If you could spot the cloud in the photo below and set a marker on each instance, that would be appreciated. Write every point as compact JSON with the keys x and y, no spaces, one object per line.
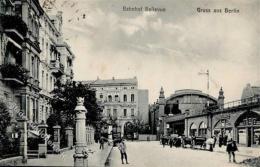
{"x":165,"y":49}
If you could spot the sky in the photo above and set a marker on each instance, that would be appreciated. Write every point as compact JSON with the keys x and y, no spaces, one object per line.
{"x":165,"y":49}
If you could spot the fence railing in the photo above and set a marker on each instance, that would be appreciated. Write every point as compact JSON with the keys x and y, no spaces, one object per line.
{"x":238,"y":103}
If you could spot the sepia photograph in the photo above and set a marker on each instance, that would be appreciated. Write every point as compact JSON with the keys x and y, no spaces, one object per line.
{"x":137,"y":83}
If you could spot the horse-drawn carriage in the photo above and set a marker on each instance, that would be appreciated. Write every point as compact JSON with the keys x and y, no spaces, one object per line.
{"x":194,"y":142}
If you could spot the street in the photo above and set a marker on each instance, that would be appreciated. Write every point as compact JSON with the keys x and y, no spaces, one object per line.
{"x":151,"y":154}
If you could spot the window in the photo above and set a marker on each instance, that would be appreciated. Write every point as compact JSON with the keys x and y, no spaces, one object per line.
{"x":203,"y":129}
{"x":101,"y":96}
{"x":110,"y":98}
{"x":108,"y":113}
{"x":116,"y":98}
{"x":125,"y":98}
{"x":32,"y":67}
{"x":132,"y":112}
{"x":125,"y":87}
{"x":193,"y":130}
{"x":125,"y":112}
{"x":132,"y":97}
{"x":51,"y":83}
{"x":132,"y":87}
{"x":115,"y":113}
{"x":47,"y":80}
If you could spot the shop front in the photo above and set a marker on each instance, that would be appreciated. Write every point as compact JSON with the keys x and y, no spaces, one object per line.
{"x":248,"y":129}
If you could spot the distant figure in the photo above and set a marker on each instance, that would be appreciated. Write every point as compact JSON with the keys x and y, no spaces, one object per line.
{"x":163,"y":141}
{"x":101,"y":141}
{"x":225,"y":140}
{"x":122,"y":148}
{"x":220,"y":140}
{"x":231,"y":148}
{"x":171,"y":142}
{"x":215,"y":140}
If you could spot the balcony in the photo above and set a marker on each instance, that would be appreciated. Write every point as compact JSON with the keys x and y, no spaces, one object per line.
{"x":57,"y":68}
{"x":14,"y":74}
{"x":14,"y":26}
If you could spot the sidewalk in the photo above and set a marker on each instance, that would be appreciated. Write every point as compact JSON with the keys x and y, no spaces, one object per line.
{"x":97,"y":159}
{"x":249,"y":152}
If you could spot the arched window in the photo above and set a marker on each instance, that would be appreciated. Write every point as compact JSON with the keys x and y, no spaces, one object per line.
{"x":125,"y":98}
{"x":203,"y":129}
{"x":116,"y":98}
{"x":193,"y":129}
{"x":132,"y":97}
{"x":110,"y":98}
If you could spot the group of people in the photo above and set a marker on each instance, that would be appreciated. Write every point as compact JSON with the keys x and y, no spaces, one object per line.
{"x":231,"y":146}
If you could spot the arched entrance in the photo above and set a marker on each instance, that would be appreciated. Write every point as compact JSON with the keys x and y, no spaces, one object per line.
{"x":248,"y":128}
{"x":223,"y":127}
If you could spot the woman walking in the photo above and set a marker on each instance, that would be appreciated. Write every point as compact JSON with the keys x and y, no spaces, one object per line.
{"x":231,"y":148}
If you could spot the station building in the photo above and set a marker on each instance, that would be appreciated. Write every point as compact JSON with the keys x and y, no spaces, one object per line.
{"x":193,"y":113}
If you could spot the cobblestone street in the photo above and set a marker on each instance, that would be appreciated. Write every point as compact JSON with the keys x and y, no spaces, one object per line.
{"x":151,"y":154}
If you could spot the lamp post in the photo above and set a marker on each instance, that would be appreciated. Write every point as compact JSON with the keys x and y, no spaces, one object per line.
{"x":80,"y":156}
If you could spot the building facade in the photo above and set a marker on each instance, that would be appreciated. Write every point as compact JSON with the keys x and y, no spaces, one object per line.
{"x":121,"y":100}
{"x":30,"y":43}
{"x":193,"y":113}
{"x":56,"y":60}
{"x":20,"y":56}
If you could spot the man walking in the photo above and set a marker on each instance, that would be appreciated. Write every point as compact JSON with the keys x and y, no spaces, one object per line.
{"x":122,"y":148}
{"x":101,"y":141}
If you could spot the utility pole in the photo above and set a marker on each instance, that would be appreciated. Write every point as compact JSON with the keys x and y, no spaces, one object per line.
{"x":206,"y":73}
{"x":210,"y":115}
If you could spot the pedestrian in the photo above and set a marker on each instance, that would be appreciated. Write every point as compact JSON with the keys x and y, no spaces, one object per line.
{"x":101,"y":142}
{"x":122,"y":148}
{"x":215,"y":140}
{"x":220,"y":140}
{"x":171,"y":142}
{"x":231,"y":148}
{"x":225,"y":140}
{"x":163,"y":141}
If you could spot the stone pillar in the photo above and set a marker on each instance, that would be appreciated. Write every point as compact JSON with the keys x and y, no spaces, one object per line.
{"x":69,"y":134}
{"x":43,"y":136}
{"x":56,"y":140}
{"x":87,"y":135}
{"x":80,"y":156}
{"x":22,"y":122}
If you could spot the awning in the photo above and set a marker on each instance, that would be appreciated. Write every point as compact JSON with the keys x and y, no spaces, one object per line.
{"x":193,"y":126}
{"x":14,"y":43}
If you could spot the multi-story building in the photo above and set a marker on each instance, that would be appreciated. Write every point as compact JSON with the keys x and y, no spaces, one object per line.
{"x":121,"y":100}
{"x":56,"y":60}
{"x":20,"y":55}
{"x":33,"y":56}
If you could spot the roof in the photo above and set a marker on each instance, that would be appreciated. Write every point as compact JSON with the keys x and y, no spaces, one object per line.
{"x":99,"y":82}
{"x":184,"y":92}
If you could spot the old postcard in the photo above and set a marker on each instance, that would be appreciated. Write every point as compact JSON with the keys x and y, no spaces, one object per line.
{"x":140,"y":83}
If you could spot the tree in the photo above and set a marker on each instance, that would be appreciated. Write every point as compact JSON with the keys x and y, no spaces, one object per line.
{"x":5,"y":119}
{"x":65,"y":100}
